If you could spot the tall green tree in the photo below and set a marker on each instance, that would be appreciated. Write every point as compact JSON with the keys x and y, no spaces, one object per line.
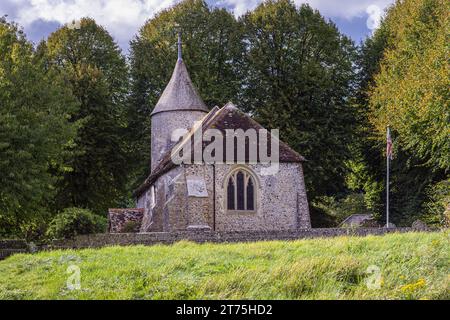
{"x":299,"y":78}
{"x":411,"y":90}
{"x":96,"y":73}
{"x":404,"y":83}
{"x":367,"y":163}
{"x":35,"y":109}
{"x":212,"y":51}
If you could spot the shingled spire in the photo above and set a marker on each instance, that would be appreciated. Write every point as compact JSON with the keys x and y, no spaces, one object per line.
{"x":179,"y":107}
{"x":180,"y":94}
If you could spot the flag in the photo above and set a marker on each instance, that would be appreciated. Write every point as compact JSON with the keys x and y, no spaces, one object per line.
{"x":389,"y":144}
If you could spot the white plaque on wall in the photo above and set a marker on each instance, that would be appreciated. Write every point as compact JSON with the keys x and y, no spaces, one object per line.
{"x":196,"y":187}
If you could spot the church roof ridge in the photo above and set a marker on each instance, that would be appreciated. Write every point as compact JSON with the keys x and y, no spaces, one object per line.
{"x":227,"y":116}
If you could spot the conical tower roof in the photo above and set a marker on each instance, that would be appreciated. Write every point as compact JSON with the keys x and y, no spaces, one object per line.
{"x":180,"y":94}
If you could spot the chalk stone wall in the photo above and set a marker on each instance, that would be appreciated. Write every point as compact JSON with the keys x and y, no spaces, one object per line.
{"x":9,"y":247}
{"x":280,"y":198}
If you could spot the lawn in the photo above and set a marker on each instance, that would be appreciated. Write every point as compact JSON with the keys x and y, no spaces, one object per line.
{"x":395,"y":266}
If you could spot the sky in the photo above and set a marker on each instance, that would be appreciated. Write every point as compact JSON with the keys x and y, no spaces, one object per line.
{"x":123,"y":18}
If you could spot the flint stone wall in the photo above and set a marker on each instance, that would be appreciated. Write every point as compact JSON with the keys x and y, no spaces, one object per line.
{"x":163,"y":125}
{"x":125,"y":239}
{"x":281,"y":201}
{"x":118,"y":219}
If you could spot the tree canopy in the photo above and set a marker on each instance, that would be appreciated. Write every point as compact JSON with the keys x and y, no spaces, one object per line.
{"x":404,"y":81}
{"x":35,"y":107}
{"x":96,"y":73}
{"x":75,"y":112}
{"x":212,"y":52}
{"x":299,"y":78}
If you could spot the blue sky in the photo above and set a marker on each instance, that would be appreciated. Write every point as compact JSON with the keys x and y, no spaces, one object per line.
{"x":122,"y":18}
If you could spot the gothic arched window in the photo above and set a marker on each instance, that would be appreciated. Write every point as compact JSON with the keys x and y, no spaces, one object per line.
{"x":240,"y":191}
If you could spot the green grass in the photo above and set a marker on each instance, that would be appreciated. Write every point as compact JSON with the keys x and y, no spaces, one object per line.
{"x":412,"y":266}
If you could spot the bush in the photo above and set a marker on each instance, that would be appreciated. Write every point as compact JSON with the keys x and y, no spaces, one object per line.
{"x":32,"y":229}
{"x":437,"y":208}
{"x":101,"y":224}
{"x":75,"y":221}
{"x":131,"y":227}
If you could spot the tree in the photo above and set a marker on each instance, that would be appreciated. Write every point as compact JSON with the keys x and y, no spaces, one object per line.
{"x":410,"y":93}
{"x":96,"y":72}
{"x":411,"y":90}
{"x":299,"y":79}
{"x":367,"y":163}
{"x":34,"y":131}
{"x":212,"y":51}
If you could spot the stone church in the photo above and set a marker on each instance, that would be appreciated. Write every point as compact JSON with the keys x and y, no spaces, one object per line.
{"x":219,"y":196}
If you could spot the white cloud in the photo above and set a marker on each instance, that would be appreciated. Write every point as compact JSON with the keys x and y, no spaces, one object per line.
{"x":346,"y":9}
{"x":124,"y":17}
{"x":121,"y":17}
{"x":375,"y":15}
{"x":239,"y":7}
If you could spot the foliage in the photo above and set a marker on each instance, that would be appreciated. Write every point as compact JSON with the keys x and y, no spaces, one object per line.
{"x":366,"y":165}
{"x":299,"y":78}
{"x":131,"y":227}
{"x":75,"y":221}
{"x":394,"y":266}
{"x":211,"y":51}
{"x":96,"y":73}
{"x":34,"y":130}
{"x":411,"y":90}
{"x":284,"y":64}
{"x":437,"y":207}
{"x":342,"y":208}
{"x":403,"y":82}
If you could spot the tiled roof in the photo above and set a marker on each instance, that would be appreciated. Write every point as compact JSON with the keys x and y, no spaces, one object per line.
{"x":228,"y":117}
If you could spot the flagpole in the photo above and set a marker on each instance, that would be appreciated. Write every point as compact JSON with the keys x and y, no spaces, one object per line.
{"x":387,"y":182}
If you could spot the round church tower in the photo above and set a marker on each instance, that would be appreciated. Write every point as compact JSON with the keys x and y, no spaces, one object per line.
{"x":179,"y":107}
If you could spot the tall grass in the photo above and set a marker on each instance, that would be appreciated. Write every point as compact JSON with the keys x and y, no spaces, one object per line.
{"x":395,"y":266}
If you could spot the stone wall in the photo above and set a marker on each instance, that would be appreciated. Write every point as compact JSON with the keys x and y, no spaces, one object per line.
{"x":281,"y":200}
{"x":124,"y":239}
{"x":125,"y":220}
{"x":10,"y":247}
{"x":163,"y":126}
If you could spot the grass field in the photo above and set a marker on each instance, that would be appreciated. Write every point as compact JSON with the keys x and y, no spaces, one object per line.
{"x":396,"y":266}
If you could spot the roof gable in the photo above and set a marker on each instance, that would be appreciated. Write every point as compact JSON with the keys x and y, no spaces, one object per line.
{"x":228,"y":117}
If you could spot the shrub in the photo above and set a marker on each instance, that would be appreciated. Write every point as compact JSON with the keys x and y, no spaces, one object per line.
{"x":75,"y":221}
{"x":101,"y":223}
{"x":437,"y":208}
{"x":31,"y":229}
{"x":370,"y":223}
{"x":131,"y":227}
